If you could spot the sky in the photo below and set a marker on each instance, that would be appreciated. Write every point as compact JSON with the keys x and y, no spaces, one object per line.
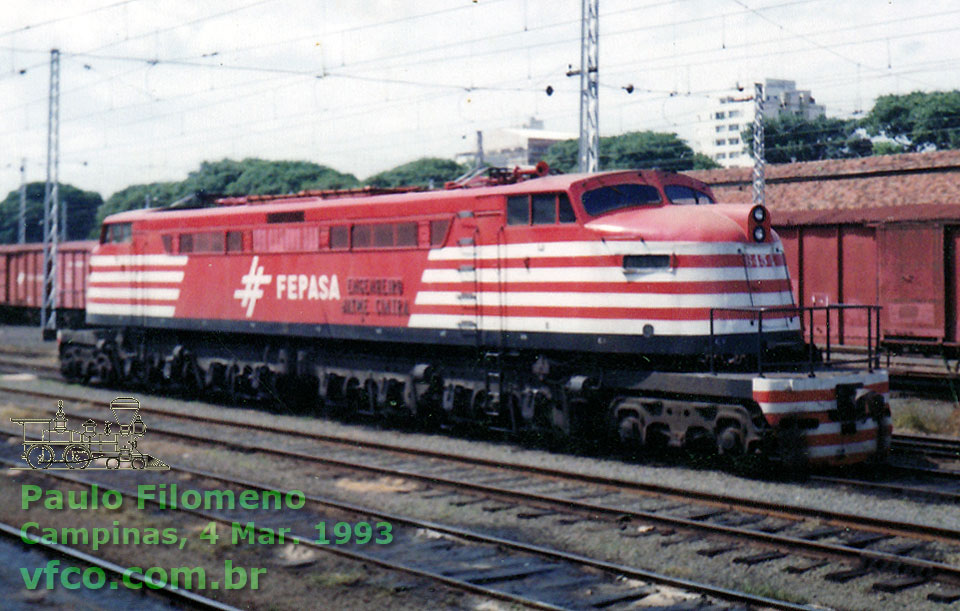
{"x":150,"y":89}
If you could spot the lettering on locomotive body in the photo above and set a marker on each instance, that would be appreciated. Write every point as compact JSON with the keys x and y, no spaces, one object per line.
{"x":387,"y":294}
{"x":375,"y":286}
{"x":297,"y":287}
{"x":760,"y":260}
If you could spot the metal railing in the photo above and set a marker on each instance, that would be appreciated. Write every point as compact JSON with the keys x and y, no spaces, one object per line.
{"x":806,"y":318}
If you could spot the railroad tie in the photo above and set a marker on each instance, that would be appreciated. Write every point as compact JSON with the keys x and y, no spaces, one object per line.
{"x":800,"y":570}
{"x":944,"y":596}
{"x":899,"y":584}
{"x":847,"y":575}
{"x":759,"y":558}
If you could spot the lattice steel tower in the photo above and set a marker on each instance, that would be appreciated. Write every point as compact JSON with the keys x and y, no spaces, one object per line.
{"x":589,"y":152}
{"x":758,"y":153}
{"x":51,"y":204}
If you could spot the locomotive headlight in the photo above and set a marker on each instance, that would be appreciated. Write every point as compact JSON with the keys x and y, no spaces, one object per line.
{"x":759,"y":234}
{"x":759,"y":214}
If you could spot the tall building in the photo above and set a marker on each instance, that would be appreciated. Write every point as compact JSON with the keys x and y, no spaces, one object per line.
{"x":513,"y":146}
{"x":719,"y":132}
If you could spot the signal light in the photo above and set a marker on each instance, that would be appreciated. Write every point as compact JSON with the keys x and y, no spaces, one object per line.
{"x":759,"y":214}
{"x":759,"y":234}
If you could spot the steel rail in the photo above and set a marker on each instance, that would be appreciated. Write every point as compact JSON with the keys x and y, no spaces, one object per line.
{"x":538,"y":550}
{"x":153,"y":585}
{"x":857,"y":521}
{"x":945,"y":572}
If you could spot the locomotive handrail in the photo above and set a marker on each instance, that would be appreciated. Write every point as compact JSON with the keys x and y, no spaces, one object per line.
{"x":872,"y":359}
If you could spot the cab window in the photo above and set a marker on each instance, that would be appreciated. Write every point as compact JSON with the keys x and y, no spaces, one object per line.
{"x":679,"y":194}
{"x":616,"y":197}
{"x":116,"y":233}
{"x":540,"y":209}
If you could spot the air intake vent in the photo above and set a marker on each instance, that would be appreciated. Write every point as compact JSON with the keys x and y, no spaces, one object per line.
{"x":285,"y":217}
{"x":633,"y":262}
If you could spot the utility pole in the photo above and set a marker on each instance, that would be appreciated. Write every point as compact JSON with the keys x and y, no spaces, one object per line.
{"x":22,"y":228}
{"x":758,"y":154}
{"x":589,"y":151}
{"x":51,"y":204}
{"x":63,"y":221}
{"x":479,"y":161}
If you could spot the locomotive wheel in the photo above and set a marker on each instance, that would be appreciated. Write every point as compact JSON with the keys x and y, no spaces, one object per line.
{"x":138,"y":462}
{"x":429,"y":413}
{"x":70,"y":367}
{"x":791,"y":447}
{"x":630,"y":430}
{"x":354,"y":399}
{"x":77,"y":457}
{"x":40,"y":457}
{"x":190,"y":377}
{"x":103,"y":369}
{"x":730,"y":441}
{"x":231,"y":385}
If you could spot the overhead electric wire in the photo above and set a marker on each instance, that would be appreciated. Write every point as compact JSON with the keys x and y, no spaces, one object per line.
{"x":34,"y":26}
{"x":343,"y":73}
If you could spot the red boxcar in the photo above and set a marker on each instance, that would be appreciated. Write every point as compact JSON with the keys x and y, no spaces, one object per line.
{"x":21,"y":278}
{"x":902,"y":258}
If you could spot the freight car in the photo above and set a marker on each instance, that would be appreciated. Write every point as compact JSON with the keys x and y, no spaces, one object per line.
{"x":903,"y":258}
{"x":626,"y":304}
{"x":21,"y":281}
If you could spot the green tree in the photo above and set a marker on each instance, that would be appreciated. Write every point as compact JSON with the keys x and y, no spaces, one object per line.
{"x":887,"y":147}
{"x":703,"y":162}
{"x":422,"y":173}
{"x":918,"y":120}
{"x":633,"y":150}
{"x":260,"y":176}
{"x":229,"y":177}
{"x":81,"y":210}
{"x":152,"y":195}
{"x":790,"y":138}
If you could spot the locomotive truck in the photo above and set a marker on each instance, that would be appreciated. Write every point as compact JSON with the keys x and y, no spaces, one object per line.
{"x":622,"y":304}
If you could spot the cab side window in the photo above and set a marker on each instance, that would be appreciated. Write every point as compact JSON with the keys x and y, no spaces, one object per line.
{"x":518,"y":210}
{"x":540,"y":209}
{"x":116,"y":233}
{"x":544,"y":209}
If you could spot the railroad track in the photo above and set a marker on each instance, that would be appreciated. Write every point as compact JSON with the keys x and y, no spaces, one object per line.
{"x":926,"y":445}
{"x":138,"y":579}
{"x":766,"y":528}
{"x":495,"y":567}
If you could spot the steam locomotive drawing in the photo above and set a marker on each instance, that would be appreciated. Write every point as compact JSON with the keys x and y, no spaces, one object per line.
{"x":49,"y":444}
{"x":626,"y":305}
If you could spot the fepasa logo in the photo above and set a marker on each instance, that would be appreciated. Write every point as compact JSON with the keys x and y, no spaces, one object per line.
{"x":297,"y":287}
{"x":251,"y":291}
{"x":291,"y":287}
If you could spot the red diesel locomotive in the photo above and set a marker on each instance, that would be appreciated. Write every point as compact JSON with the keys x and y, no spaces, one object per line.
{"x":623,"y":303}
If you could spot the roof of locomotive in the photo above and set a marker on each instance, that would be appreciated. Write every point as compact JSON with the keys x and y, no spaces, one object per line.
{"x":408,"y":202}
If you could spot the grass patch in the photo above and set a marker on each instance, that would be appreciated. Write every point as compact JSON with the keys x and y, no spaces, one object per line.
{"x":925,"y":416}
{"x":337,"y":579}
{"x":769,"y":591}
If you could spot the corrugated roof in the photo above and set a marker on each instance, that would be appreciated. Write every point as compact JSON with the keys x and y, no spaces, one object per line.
{"x":885,"y":214}
{"x":871,"y":185}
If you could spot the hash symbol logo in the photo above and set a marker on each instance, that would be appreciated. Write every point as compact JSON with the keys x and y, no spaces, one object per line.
{"x":251,"y":291}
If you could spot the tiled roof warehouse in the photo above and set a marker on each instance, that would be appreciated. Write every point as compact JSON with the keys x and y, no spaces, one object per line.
{"x":918,"y":185}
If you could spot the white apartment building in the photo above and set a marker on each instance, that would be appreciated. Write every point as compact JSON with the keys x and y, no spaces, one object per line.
{"x":513,"y":146}
{"x":719,"y":131}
